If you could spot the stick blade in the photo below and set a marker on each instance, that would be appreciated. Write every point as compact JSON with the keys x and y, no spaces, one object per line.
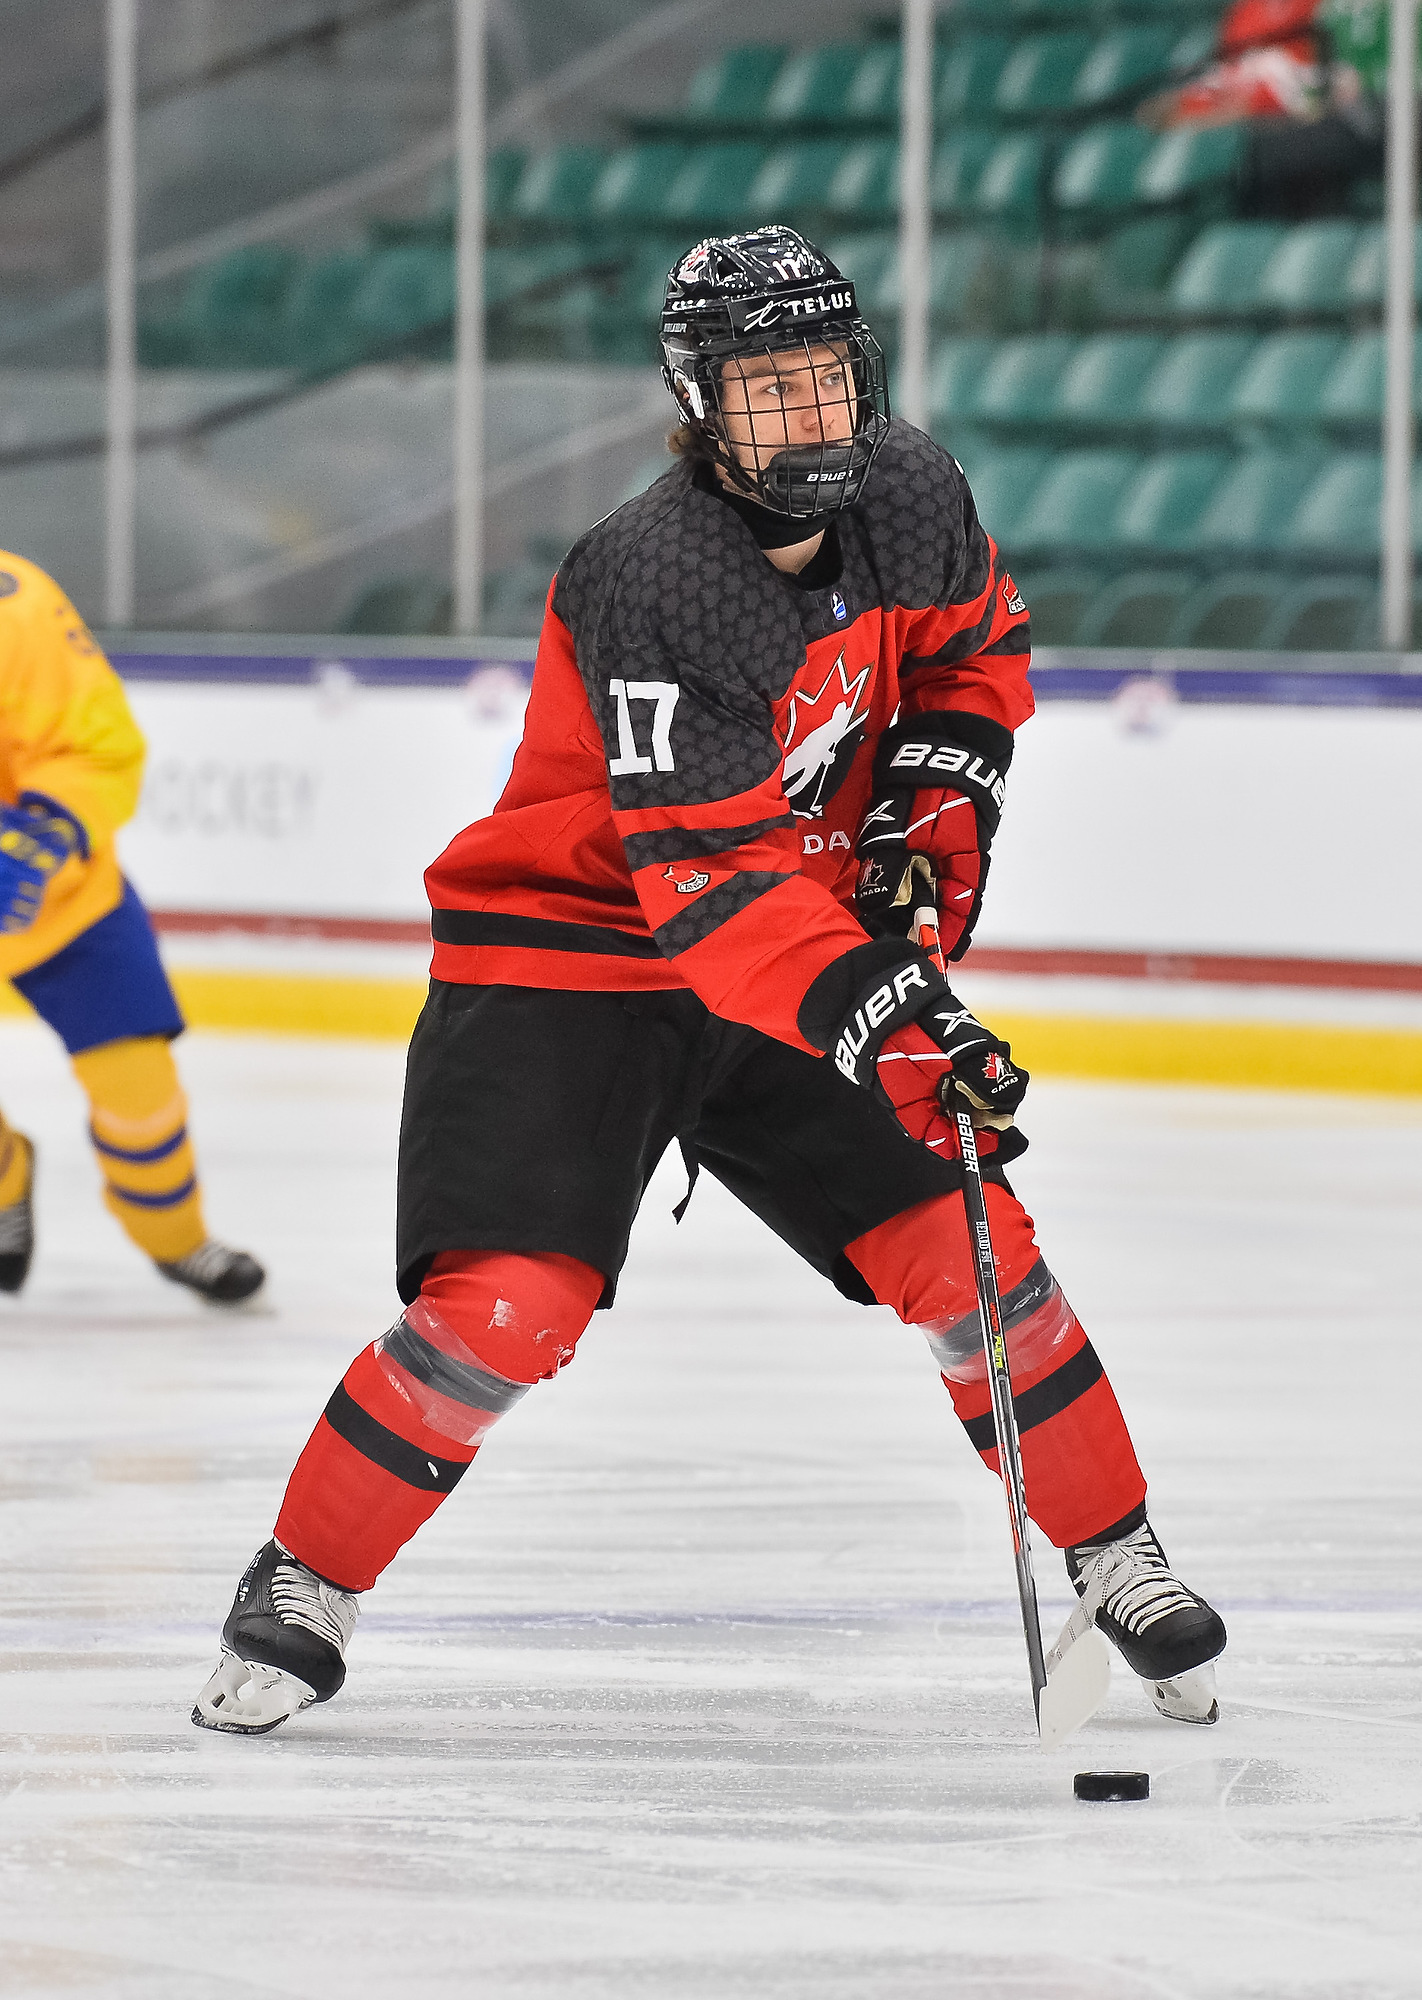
{"x":1076,"y":1687}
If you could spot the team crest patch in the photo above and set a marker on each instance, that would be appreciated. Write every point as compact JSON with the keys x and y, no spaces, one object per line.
{"x":685,"y":878}
{"x":1012,"y":596}
{"x":826,"y":728}
{"x":695,"y":267}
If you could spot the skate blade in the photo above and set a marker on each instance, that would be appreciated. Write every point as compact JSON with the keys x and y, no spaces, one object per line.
{"x":1077,"y":1684}
{"x":245,"y":1698}
{"x":1189,"y":1697}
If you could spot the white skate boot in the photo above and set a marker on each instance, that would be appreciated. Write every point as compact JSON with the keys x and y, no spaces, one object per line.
{"x":283,"y":1646}
{"x":1165,"y":1632}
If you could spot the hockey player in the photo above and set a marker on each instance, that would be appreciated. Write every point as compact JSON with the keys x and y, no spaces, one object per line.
{"x":76,"y":941}
{"x":798,"y":643}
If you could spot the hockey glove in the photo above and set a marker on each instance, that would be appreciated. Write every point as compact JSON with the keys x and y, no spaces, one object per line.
{"x":938,"y":789}
{"x":908,"y":1034}
{"x":37,"y":837}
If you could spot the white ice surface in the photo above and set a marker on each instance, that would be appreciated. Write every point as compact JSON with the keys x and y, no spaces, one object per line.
{"x":707,"y":1685}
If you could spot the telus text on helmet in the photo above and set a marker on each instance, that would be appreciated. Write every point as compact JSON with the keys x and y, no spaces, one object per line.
{"x":814,"y":305}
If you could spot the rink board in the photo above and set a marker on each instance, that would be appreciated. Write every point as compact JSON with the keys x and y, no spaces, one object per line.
{"x":1161,"y":808}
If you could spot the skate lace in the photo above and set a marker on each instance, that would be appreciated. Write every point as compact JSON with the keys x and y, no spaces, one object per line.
{"x":210,"y":1261}
{"x":300,"y":1598}
{"x":1138,"y":1587}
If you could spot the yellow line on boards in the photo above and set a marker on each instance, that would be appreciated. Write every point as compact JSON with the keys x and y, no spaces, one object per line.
{"x":1261,"y":1055}
{"x":283,"y":1003}
{"x":1245,"y":1055}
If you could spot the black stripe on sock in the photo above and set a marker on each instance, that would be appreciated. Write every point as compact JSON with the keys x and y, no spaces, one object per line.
{"x":1044,"y":1400}
{"x":390,"y":1452}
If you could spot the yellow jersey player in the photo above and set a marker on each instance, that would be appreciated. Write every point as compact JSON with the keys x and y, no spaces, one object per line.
{"x":77,"y":943}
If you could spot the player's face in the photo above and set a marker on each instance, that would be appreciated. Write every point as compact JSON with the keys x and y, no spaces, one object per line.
{"x":802,"y":396}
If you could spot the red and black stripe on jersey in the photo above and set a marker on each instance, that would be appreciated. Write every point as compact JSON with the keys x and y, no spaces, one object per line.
{"x":699,"y":742}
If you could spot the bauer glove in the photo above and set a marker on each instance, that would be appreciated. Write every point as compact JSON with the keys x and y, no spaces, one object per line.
{"x":37,"y":837}
{"x":939,"y":781}
{"x":908,"y":1035}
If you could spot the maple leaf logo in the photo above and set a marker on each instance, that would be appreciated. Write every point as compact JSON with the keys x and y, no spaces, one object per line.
{"x":832,"y":721}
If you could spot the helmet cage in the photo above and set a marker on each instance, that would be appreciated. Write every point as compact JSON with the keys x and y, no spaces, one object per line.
{"x":710,"y":346}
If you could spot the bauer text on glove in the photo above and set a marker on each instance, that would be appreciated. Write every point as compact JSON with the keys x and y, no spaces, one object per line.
{"x":939,"y":782}
{"x":885,"y":989}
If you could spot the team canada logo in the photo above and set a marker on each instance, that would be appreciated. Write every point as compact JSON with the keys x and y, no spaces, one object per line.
{"x":684,"y":878}
{"x":826,"y":728}
{"x":695,"y":267}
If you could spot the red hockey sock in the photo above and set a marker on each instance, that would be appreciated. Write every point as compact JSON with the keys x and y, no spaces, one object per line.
{"x":1078,"y":1463}
{"x":404,"y":1424}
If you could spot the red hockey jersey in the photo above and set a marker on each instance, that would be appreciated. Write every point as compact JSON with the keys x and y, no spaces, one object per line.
{"x":698,"y":747}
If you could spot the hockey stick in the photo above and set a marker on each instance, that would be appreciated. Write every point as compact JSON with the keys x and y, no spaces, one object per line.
{"x":1080,"y":1662}
{"x":1004,"y":1419}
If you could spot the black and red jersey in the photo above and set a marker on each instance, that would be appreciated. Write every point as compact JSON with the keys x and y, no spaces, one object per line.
{"x":698,"y":746}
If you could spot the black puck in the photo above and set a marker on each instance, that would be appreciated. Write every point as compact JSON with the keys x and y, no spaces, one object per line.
{"x":1106,"y":1785}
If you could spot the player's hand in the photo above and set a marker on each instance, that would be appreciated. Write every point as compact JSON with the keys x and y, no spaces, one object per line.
{"x":939,"y":830}
{"x":916,"y":1074}
{"x":910,"y":1036}
{"x":36,"y":839}
{"x":938,"y":791}
{"x":979,"y":1064}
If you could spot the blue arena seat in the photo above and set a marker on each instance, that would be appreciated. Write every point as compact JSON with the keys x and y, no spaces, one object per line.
{"x":1040,"y":75}
{"x":813,"y":85}
{"x":1138,"y":609}
{"x":713,"y":187}
{"x":1162,"y":508}
{"x":730,"y":90}
{"x":865,"y":184}
{"x":1010,"y":188}
{"x":555,"y":187}
{"x":632,"y":186}
{"x":958,"y":369}
{"x":1284,"y":381}
{"x":968,"y":78}
{"x":1019,"y":387}
{"x":1097,"y":174}
{"x":1193,"y":162}
{"x":1005,"y":481}
{"x":1076,"y":503}
{"x":795,"y":178}
{"x":1338,"y":516}
{"x":1229,"y":612}
{"x":1124,"y":63}
{"x":958,"y":163}
{"x":1059,"y":600}
{"x":1220,"y":275}
{"x":1250,"y":509}
{"x":1192,"y":383}
{"x":1101,"y":383}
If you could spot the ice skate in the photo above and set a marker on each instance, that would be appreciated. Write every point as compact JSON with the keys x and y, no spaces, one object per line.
{"x":222,"y":1276}
{"x":1165,"y":1632}
{"x":17,"y":1229}
{"x":283,"y":1646}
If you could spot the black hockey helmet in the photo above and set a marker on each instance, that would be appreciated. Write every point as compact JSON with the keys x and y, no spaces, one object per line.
{"x":739,"y":309}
